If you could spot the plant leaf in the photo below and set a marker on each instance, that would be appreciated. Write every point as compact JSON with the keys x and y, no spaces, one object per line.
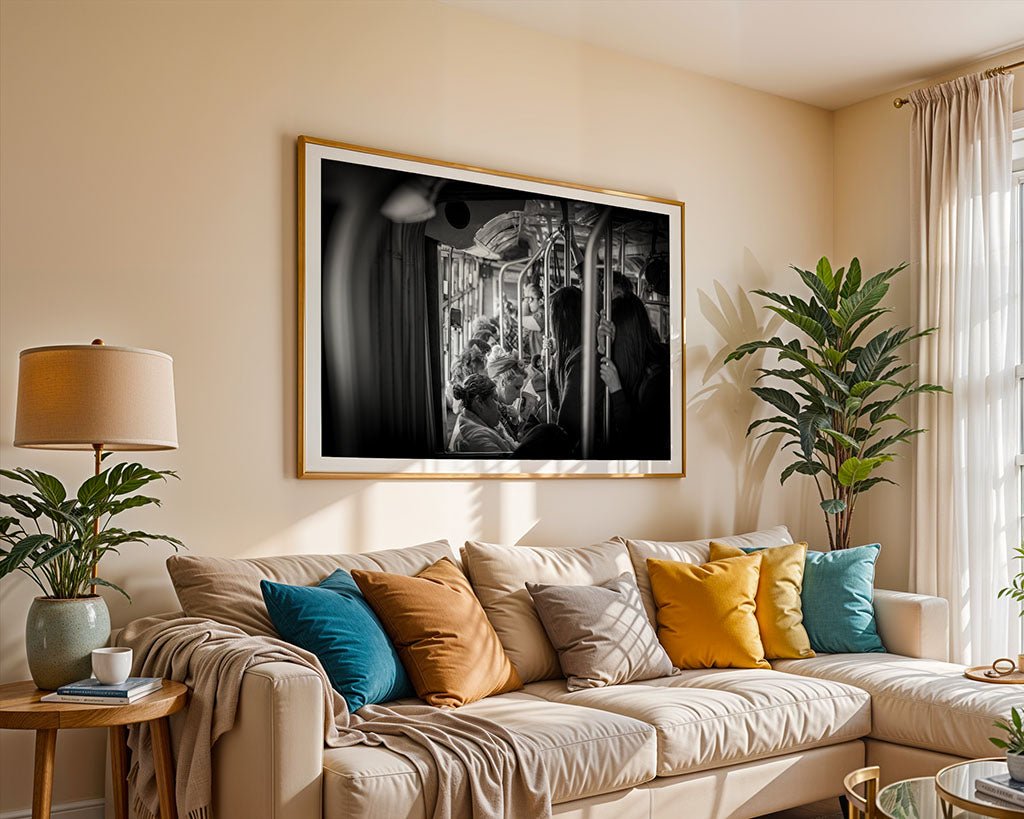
{"x":852,"y":278}
{"x":845,"y":440}
{"x":93,"y":489}
{"x":833,"y":506}
{"x":854,"y":470}
{"x":810,"y":423}
{"x":780,"y":399}
{"x":824,"y":273}
{"x":99,"y":581}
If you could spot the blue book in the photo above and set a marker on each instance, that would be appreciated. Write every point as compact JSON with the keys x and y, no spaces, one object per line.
{"x":132,"y":687}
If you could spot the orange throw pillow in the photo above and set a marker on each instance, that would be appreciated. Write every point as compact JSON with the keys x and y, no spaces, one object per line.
{"x":441,"y":634}
{"x":706,"y":613}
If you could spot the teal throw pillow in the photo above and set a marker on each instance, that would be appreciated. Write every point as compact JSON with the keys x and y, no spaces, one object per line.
{"x":837,"y":600}
{"x":333,"y":621}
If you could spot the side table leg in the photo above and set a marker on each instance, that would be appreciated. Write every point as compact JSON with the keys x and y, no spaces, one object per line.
{"x":118,"y":735}
{"x":42,"y":788}
{"x":164,"y":763}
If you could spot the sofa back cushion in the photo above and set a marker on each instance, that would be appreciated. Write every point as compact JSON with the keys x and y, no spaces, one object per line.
{"x":691,"y":551}
{"x":499,"y":575}
{"x":228,"y":589}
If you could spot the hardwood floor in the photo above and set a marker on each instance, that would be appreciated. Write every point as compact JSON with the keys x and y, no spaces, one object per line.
{"x":828,"y":809}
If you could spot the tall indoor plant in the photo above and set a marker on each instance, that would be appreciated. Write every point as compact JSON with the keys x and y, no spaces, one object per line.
{"x":841,"y":389}
{"x":57,"y":541}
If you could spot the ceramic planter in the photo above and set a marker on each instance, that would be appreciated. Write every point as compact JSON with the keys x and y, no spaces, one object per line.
{"x":60,"y":636}
{"x":1015,"y":762}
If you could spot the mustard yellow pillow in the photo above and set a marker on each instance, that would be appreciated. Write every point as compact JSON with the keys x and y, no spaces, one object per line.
{"x":441,"y":634}
{"x":706,"y":613}
{"x":780,"y":615}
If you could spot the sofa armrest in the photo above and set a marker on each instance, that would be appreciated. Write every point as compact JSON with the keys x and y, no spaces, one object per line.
{"x":270,"y":764}
{"x":914,"y":625}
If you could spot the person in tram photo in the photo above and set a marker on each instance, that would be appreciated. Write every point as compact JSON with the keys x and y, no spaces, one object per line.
{"x":566,"y":391}
{"x":485,"y":329}
{"x":478,"y":425}
{"x":544,"y":442}
{"x":637,"y":376}
{"x":533,"y":319}
{"x":480,"y":344}
{"x":621,"y":286}
{"x":518,"y":404}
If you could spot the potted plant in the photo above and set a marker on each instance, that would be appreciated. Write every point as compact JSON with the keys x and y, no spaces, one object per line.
{"x":1013,"y":744}
{"x":842,"y":389}
{"x":58,"y":541}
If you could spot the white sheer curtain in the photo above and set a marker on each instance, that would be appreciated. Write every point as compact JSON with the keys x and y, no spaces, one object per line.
{"x":967,"y":501}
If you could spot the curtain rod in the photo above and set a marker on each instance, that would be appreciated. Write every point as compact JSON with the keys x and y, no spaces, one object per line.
{"x":899,"y":102}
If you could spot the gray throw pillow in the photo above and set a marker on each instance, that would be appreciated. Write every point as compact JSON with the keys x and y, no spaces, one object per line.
{"x":601,"y":633}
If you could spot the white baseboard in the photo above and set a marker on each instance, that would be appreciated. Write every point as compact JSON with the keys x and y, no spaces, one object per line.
{"x":89,"y":809}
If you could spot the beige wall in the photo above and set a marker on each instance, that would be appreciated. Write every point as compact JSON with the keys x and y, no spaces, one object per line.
{"x":872,"y":221}
{"x":146,"y":157}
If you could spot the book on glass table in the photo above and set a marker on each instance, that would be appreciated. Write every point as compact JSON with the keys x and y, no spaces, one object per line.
{"x":1002,"y":787}
{"x":94,"y":692}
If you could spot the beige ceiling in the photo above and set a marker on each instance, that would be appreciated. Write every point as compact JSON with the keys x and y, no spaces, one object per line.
{"x":829,"y":53}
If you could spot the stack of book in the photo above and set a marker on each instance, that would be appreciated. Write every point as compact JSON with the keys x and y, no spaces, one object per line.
{"x":93,"y":692}
{"x":1002,"y":787}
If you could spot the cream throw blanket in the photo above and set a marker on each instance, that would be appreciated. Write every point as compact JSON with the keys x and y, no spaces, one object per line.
{"x":468,"y":766}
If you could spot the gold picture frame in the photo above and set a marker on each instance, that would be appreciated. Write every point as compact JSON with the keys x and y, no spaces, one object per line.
{"x":311,"y":153}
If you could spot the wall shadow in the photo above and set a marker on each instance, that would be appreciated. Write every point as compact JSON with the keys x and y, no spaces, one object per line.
{"x":725,"y":401}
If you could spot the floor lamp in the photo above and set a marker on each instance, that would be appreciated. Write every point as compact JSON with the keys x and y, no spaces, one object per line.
{"x":95,"y":397}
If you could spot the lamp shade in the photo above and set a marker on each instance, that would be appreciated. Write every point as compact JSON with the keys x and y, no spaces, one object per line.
{"x":78,"y":396}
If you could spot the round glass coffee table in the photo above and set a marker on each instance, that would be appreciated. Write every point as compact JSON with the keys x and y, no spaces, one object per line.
{"x":950,"y":794}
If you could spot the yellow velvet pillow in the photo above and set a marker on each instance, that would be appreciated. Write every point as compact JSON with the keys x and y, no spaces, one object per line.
{"x":780,"y":615}
{"x":706,"y":613}
{"x":441,"y":634}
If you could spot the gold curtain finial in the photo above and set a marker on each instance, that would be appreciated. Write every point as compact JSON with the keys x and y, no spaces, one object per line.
{"x":899,"y":102}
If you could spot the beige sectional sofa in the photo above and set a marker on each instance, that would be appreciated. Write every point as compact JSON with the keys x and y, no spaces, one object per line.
{"x":712,"y":743}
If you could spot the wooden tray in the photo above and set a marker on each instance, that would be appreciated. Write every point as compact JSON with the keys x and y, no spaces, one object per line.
{"x":978,"y":673}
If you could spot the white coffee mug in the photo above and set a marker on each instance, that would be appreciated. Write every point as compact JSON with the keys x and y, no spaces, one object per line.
{"x":112,"y":666}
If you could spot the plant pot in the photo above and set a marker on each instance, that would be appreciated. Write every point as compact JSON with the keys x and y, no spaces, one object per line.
{"x":1015,"y":762}
{"x":60,"y":636}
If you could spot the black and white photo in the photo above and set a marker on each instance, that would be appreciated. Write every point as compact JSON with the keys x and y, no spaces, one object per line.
{"x":459,"y":322}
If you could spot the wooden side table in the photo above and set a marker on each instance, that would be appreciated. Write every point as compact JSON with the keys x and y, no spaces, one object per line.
{"x":21,"y":709}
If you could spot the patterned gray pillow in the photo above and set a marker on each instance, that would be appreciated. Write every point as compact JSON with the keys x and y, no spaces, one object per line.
{"x":601,"y":633}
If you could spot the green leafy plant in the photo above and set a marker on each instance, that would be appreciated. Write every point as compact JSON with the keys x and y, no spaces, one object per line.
{"x":1014,"y":742}
{"x":1015,"y":591}
{"x":838,"y":410}
{"x":53,"y":540}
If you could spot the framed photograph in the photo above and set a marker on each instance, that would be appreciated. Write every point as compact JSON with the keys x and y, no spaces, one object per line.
{"x":456,"y":322}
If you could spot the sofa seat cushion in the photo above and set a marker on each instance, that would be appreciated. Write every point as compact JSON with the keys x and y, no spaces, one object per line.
{"x":711,"y":718}
{"x":921,"y":703}
{"x":586,"y":753}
